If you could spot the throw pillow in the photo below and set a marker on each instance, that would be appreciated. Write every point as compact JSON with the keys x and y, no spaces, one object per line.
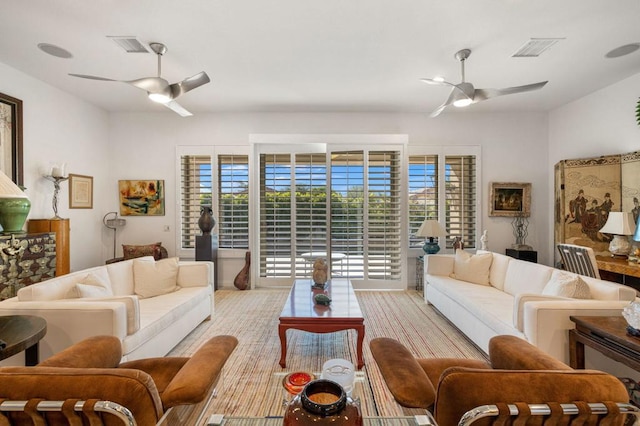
{"x":155,"y":278}
{"x":132,"y":251}
{"x":472,"y":268}
{"x":90,"y":286}
{"x":564,"y":284}
{"x":86,"y":290}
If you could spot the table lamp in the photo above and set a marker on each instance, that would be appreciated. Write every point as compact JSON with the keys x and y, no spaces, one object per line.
{"x":431,"y":228}
{"x":620,"y":225}
{"x":14,"y":205}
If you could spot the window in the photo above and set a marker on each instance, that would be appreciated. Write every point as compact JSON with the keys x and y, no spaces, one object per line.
{"x":444,"y":186}
{"x":196,"y":184}
{"x":360,"y":226}
{"x":233,"y":201}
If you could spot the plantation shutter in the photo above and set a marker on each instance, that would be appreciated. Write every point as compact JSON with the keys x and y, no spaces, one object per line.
{"x":348,"y":210}
{"x":423,"y":193}
{"x":310,"y":211}
{"x":233,"y":201}
{"x":383,"y":224}
{"x":460,"y":176}
{"x":196,"y":184}
{"x":276,"y":258}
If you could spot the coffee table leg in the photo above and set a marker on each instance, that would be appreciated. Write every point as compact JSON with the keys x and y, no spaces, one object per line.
{"x":31,"y":355}
{"x":282,"y":332}
{"x":360,"y":331}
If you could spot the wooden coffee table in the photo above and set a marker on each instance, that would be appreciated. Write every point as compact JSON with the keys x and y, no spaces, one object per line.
{"x":300,"y":312}
{"x":22,"y":333}
{"x":607,"y":335}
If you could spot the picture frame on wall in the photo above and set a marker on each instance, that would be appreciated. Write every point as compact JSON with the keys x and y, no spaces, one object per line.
{"x":11,"y":150}
{"x":80,"y":191}
{"x":510,"y":199}
{"x":141,"y":197}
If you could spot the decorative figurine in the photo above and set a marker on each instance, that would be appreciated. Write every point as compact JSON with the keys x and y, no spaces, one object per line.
{"x":484,"y":240}
{"x":320,"y":269}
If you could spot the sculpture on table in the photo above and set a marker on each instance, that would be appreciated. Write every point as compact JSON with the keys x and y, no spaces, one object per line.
{"x":206,"y":222}
{"x":320,"y":270}
{"x":484,"y":240}
{"x":457,"y":244}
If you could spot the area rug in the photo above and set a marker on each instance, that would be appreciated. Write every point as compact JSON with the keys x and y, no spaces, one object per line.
{"x":251,"y":377}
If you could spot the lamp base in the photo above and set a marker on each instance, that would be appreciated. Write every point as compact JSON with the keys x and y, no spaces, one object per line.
{"x":13,"y":214}
{"x":431,"y":247}
{"x":620,"y":246}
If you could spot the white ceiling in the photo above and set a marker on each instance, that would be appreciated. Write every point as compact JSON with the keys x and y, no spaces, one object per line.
{"x":323,"y":55}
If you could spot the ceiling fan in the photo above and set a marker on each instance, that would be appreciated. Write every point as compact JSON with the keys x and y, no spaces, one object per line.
{"x":158,"y":89}
{"x":464,"y":94}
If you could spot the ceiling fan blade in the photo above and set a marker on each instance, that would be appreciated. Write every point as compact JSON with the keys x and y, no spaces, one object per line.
{"x":484,"y":94}
{"x":150,"y":84}
{"x":92,"y":77}
{"x":449,"y":101}
{"x":188,"y":84}
{"x":177,"y":108}
{"x":436,"y":82}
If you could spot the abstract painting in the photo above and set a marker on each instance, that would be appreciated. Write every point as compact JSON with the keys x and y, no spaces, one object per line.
{"x":141,"y":197}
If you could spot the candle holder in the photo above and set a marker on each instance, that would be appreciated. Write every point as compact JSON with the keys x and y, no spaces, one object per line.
{"x":56,"y":189}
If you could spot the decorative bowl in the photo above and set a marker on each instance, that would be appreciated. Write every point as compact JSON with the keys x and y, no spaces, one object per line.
{"x":296,"y":381}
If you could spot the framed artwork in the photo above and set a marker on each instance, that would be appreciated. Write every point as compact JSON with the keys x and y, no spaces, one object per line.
{"x":80,"y":192}
{"x":11,"y":138}
{"x":141,"y":197}
{"x":510,"y":199}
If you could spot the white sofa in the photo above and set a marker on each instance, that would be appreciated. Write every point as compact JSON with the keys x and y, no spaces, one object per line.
{"x":116,"y":305}
{"x":512,"y":299}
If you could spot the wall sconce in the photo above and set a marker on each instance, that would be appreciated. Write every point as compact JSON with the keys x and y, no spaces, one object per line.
{"x":114,"y":223}
{"x":55,"y":173}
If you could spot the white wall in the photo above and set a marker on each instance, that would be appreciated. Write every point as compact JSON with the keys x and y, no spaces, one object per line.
{"x":61,"y":128}
{"x":514,"y":149}
{"x":601,"y":123}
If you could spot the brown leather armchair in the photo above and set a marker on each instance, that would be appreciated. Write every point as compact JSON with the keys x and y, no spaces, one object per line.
{"x":518,"y":372}
{"x":91,"y":370}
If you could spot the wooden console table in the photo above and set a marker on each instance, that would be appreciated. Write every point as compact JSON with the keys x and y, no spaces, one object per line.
{"x":607,"y":335}
{"x":619,"y":270}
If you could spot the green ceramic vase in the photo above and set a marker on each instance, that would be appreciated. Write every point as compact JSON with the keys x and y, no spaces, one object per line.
{"x":13,"y":213}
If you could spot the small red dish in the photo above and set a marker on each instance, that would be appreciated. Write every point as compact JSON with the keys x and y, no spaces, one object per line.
{"x":296,"y":381}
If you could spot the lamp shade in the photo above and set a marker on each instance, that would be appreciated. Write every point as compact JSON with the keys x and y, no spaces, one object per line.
{"x":619,"y":224}
{"x":431,"y":228}
{"x":14,"y":205}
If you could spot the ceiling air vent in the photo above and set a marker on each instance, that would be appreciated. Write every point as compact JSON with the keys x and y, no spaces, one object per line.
{"x":129,"y":44}
{"x":534,"y":47}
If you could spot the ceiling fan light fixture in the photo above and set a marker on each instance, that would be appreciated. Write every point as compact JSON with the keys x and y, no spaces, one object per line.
{"x":461,"y":103}
{"x":161,"y":98}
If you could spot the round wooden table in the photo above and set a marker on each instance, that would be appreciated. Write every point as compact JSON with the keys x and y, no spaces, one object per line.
{"x":21,"y":333}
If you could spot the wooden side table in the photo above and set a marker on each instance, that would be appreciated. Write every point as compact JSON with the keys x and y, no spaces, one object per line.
{"x":22,"y":333}
{"x":607,"y":335}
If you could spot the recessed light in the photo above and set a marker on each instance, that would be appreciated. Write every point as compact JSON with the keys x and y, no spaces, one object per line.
{"x":54,"y":50}
{"x":623,"y":50}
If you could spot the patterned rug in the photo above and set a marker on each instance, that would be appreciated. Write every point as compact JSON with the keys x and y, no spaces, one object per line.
{"x":251,"y":377}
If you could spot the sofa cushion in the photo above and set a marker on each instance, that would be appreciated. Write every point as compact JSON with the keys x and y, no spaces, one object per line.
{"x":526,"y":277}
{"x":121,"y":276}
{"x":155,"y":278}
{"x":135,"y":251}
{"x":498,"y":270}
{"x":90,"y":286}
{"x":472,"y":268}
{"x":564,"y":284}
{"x":58,"y":288}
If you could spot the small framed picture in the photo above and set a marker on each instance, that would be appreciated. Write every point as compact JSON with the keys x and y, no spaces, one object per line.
{"x":510,"y":199}
{"x":80,"y":192}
